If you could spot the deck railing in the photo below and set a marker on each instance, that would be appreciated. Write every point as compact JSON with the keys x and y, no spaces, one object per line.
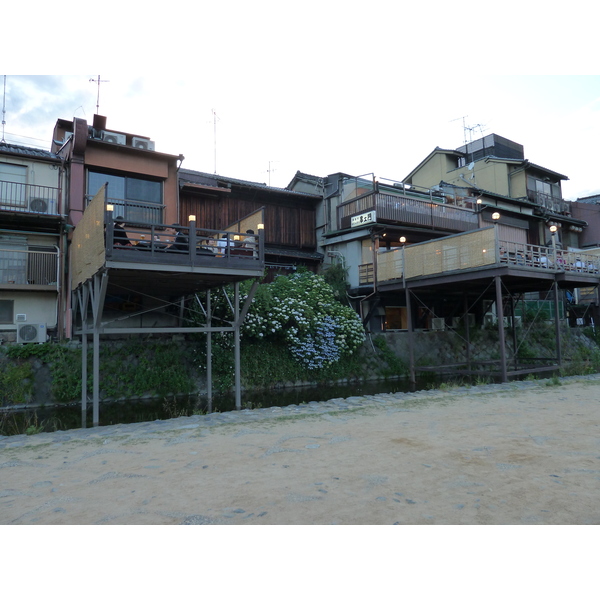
{"x":28,"y":267}
{"x":28,"y":198}
{"x":478,"y":249}
{"x":411,"y":211}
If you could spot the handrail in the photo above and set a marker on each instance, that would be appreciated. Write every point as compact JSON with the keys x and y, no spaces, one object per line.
{"x":29,"y":198}
{"x":476,"y":249}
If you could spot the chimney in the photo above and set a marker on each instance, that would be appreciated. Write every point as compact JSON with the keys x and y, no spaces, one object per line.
{"x":99,"y":123}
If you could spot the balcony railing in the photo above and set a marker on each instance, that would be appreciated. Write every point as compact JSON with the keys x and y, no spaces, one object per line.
{"x":409,"y":211}
{"x":28,"y":267}
{"x":480,"y":249}
{"x":137,"y":212}
{"x":27,"y":198}
{"x":556,"y":205}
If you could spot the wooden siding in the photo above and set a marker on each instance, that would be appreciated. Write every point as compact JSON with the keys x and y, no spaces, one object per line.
{"x":285,"y":224}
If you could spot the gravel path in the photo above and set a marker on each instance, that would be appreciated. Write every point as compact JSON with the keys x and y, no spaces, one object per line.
{"x":516,"y":453}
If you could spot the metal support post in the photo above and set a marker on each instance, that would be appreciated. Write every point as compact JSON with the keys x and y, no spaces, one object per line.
{"x":500,"y":317}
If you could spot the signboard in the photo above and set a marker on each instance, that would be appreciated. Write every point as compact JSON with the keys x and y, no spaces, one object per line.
{"x":369,"y":217}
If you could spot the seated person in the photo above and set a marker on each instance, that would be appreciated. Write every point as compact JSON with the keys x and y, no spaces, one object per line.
{"x":119,"y":235}
{"x":177,"y":242}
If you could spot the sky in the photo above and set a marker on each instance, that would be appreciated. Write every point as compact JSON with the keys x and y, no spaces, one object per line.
{"x":258,"y":91}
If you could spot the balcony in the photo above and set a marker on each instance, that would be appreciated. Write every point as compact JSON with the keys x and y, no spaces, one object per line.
{"x":27,"y":198}
{"x":551,"y":203}
{"x":28,"y":269}
{"x":150,"y":258}
{"x":479,"y":251}
{"x":408,"y":211}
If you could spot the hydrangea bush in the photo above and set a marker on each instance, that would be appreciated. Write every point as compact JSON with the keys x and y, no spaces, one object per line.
{"x":301,"y":310}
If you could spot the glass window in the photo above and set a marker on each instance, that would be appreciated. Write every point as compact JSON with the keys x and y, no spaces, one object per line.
{"x":134,"y":198}
{"x":7,"y":308}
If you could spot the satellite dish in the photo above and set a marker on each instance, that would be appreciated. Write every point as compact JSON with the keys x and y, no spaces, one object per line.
{"x":470,"y":166}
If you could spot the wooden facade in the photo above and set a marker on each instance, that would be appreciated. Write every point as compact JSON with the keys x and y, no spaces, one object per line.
{"x":217,"y":202}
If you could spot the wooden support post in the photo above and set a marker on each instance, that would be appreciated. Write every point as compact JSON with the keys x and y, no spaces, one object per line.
{"x":500,"y":317}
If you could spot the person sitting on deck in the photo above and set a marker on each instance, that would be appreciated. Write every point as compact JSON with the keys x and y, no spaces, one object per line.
{"x":179,"y":243}
{"x":119,"y":235}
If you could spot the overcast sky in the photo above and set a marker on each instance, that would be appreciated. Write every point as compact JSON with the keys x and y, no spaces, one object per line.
{"x":255,"y":92}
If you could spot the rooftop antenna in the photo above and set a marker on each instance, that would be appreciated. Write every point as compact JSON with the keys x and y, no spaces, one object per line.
{"x":4,"y":110}
{"x":98,"y":81}
{"x":215,"y":119}
{"x":270,"y":170}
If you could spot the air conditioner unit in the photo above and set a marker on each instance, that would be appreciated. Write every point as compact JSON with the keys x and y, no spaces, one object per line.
{"x":438,"y":323}
{"x":489,"y":320}
{"x":31,"y":333}
{"x":142,"y":143}
{"x":39,"y":205}
{"x":114,"y":138}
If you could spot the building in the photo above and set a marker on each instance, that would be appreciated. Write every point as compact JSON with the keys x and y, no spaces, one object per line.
{"x":465,"y":239}
{"x":289,"y":217}
{"x":136,"y":260}
{"x":32,"y":245}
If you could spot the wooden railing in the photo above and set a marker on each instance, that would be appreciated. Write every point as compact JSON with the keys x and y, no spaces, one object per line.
{"x":478,"y":249}
{"x":411,"y":211}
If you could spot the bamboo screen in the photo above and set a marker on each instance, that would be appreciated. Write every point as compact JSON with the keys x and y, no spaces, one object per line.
{"x":389,"y":264}
{"x":452,"y":253}
{"x":249,"y":222}
{"x":87,"y":247}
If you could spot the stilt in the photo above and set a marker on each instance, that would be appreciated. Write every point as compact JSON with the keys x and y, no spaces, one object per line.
{"x":500,"y":317}
{"x":557,"y":326}
{"x":409,"y":326}
{"x":209,"y":352}
{"x":236,"y":347}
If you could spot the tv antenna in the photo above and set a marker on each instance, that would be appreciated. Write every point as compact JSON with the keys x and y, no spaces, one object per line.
{"x":469,"y":129}
{"x":98,"y":81}
{"x":215,"y":119}
{"x":271,"y":170}
{"x":4,"y":110}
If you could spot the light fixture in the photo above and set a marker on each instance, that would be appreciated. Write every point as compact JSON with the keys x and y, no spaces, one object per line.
{"x":496,"y":216}
{"x":260,"y":226}
{"x":192,"y":218}
{"x":110,"y":207}
{"x":479,"y":201}
{"x":236,"y":238}
{"x":553,"y":228}
{"x":403,"y":240}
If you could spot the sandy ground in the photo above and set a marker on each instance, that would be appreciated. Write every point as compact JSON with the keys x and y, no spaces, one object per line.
{"x":502,"y":455}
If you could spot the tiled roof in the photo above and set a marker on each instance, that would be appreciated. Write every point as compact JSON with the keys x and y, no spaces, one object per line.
{"x":27,"y":151}
{"x":198,"y":176}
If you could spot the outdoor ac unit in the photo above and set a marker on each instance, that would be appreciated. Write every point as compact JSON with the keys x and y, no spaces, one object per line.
{"x":142,"y":143}
{"x":30,"y":333}
{"x":114,"y":138}
{"x":38,"y":205}
{"x":438,"y":323}
{"x":489,"y":320}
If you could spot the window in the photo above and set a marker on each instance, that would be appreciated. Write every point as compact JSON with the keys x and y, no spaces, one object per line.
{"x":12,"y":185}
{"x":7,"y":308}
{"x":136,"y":199}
